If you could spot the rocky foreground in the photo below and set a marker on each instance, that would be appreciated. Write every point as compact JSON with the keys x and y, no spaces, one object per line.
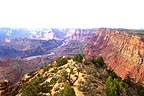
{"x":75,"y":76}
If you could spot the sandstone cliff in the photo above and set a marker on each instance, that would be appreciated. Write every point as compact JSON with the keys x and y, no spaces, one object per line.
{"x":123,"y":53}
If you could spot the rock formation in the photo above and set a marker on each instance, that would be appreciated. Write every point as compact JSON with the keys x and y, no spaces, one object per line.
{"x":5,"y":88}
{"x":81,"y":34}
{"x":123,"y":53}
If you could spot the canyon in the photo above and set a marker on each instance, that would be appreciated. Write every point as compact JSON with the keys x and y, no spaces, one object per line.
{"x":123,"y":52}
{"x":121,"y":49}
{"x":22,"y":55}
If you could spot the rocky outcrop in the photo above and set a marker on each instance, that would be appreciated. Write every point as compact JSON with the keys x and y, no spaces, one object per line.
{"x":10,"y":70}
{"x":5,"y":88}
{"x":81,"y":34}
{"x":13,"y":70}
{"x":123,"y":53}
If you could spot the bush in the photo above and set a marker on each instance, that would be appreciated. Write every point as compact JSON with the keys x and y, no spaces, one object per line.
{"x":99,"y":61}
{"x":29,"y":89}
{"x":67,"y":91}
{"x":78,"y":58}
{"x":115,"y":87}
{"x":113,"y":74}
{"x":34,"y":88}
{"x":45,"y":88}
{"x":61,"y":61}
{"x":31,"y":73}
{"x":46,"y":68}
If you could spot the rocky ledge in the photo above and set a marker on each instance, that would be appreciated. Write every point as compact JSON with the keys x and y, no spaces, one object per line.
{"x":5,"y":88}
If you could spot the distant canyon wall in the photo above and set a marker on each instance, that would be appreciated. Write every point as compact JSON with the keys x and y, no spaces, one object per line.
{"x":81,"y":34}
{"x":122,"y":52}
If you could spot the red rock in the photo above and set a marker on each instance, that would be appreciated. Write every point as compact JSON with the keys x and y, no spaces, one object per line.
{"x":122,"y":52}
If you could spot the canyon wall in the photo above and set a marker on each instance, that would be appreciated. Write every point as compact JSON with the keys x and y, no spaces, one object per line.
{"x":123,"y":53}
{"x":81,"y":34}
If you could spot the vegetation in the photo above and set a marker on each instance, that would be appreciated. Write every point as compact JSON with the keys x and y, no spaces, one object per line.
{"x":67,"y":91}
{"x":78,"y":58}
{"x":99,"y":62}
{"x":34,"y":87}
{"x":61,"y":61}
{"x":67,"y":76}
{"x":46,"y":68}
{"x":138,"y":87}
{"x":31,"y":73}
{"x":115,"y":87}
{"x":95,"y":80}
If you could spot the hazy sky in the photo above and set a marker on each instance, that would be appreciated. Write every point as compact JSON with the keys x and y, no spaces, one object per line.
{"x":72,"y":13}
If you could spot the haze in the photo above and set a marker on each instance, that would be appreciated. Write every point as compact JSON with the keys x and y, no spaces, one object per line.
{"x":72,"y":13}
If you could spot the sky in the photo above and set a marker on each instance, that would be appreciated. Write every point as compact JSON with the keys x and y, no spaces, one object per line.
{"x":72,"y":13}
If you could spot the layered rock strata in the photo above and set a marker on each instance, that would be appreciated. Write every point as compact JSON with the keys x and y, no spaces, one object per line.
{"x":123,"y":53}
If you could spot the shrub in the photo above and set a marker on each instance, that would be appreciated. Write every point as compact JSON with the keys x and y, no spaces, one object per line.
{"x":67,"y":76}
{"x":78,"y":58}
{"x":53,"y":80}
{"x":45,"y":88}
{"x":61,"y":61}
{"x":31,"y":73}
{"x":46,"y":68}
{"x":67,"y":91}
{"x":115,"y":87}
{"x":99,"y":61}
{"x":113,"y":74}
{"x":29,"y":89}
{"x":34,"y":88}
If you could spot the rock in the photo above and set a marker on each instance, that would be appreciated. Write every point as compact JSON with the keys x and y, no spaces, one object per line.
{"x":81,"y":34}
{"x":5,"y":88}
{"x":122,"y":52}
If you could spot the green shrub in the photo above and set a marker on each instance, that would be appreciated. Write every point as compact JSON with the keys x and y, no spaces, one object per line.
{"x":45,"y":88}
{"x":67,"y":76}
{"x":38,"y":79}
{"x":29,"y":89}
{"x":53,"y":80}
{"x":67,"y":91}
{"x":61,"y":61}
{"x":31,"y":73}
{"x":99,"y":61}
{"x":46,"y":68}
{"x":34,"y":88}
{"x":113,"y":74}
{"x":115,"y":87}
{"x":14,"y":92}
{"x":78,"y":58}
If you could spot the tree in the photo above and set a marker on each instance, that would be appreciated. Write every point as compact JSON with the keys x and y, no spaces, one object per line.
{"x":78,"y":58}
{"x":68,"y":76}
{"x":72,"y":75}
{"x":67,"y":91}
{"x":114,"y":87}
{"x":99,"y":61}
{"x":61,"y":61}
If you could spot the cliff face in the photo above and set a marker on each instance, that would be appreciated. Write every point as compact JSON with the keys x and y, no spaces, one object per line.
{"x":75,"y":42}
{"x":13,"y":70}
{"x":122,"y":52}
{"x":80,"y":34}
